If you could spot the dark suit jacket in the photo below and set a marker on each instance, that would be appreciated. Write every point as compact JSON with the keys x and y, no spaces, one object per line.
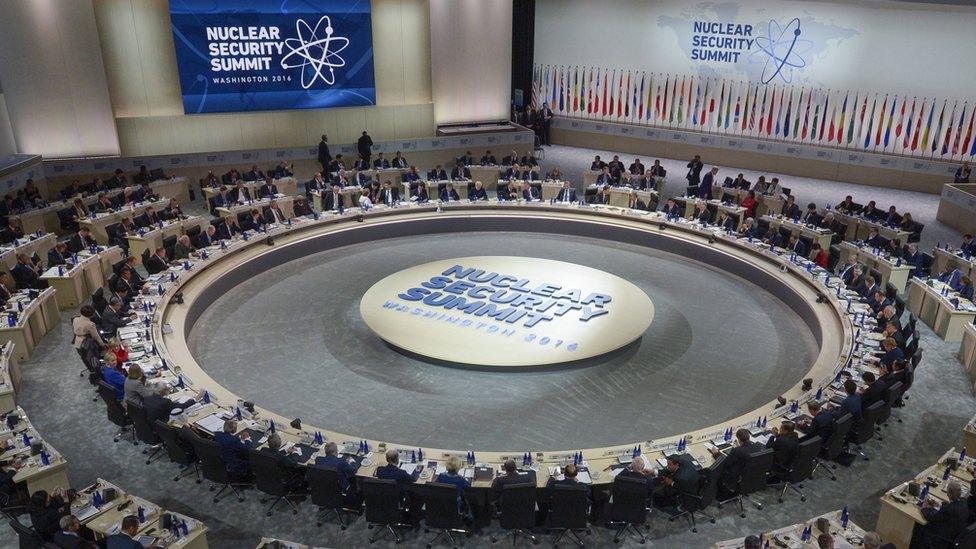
{"x":561,"y":197}
{"x":478,"y":194}
{"x":112,"y":321}
{"x":389,"y":196}
{"x":445,"y":196}
{"x":66,"y":541}
{"x":329,"y":202}
{"x":233,"y":450}
{"x":686,"y":476}
{"x":790,"y":211}
{"x":872,"y":393}
{"x":785,"y":449}
{"x":121,"y":541}
{"x":381,"y":164}
{"x":346,"y":469}
{"x":235,"y":194}
{"x":252,"y":223}
{"x":77,"y":243}
{"x":463,"y":173}
{"x":55,"y":258}
{"x":705,"y":187}
{"x":501,"y":481}
{"x":948,"y":521}
{"x":822,"y":426}
{"x":324,"y":156}
{"x":25,"y":277}
{"x":155,"y":265}
{"x":437,"y":175}
{"x":392,"y":472}
{"x":267,"y":190}
{"x":736,"y":460}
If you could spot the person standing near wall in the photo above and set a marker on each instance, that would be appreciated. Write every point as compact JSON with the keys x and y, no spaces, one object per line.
{"x":325,"y":158}
{"x":365,"y":146}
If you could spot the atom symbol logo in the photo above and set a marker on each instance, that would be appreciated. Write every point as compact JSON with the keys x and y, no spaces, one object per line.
{"x":316,"y":57}
{"x":780,"y":51}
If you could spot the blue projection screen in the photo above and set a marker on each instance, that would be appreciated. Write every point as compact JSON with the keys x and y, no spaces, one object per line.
{"x":259,"y":55}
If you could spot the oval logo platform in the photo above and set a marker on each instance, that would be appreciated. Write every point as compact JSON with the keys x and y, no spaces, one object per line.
{"x":506,"y":312}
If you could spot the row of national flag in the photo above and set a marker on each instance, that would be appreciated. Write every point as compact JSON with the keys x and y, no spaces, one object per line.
{"x":914,"y":126}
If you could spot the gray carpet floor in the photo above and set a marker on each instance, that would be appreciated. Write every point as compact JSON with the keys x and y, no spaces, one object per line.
{"x":714,"y":338}
{"x":59,"y":403}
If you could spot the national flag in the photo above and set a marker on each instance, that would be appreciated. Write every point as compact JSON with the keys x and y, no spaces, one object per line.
{"x":969,"y":132}
{"x":658,"y":99}
{"x":867,"y":136}
{"x":728,"y":107}
{"x":575,"y":89}
{"x":620,"y":94}
{"x":823,"y":121}
{"x":613,"y":79}
{"x":603,"y":93}
{"x":806,"y":116}
{"x":938,"y":128}
{"x":640,"y":112}
{"x":752,"y":112}
{"x":918,"y":128}
{"x":789,"y":108}
{"x":884,"y":107}
{"x":681,"y":100}
{"x":958,"y":140}
{"x":852,"y":122}
{"x":768,"y":116}
{"x":668,"y":107}
{"x":688,"y":107}
{"x":740,"y":113}
{"x":928,"y":124}
{"x":864,"y":109}
{"x":562,"y":90}
{"x":948,"y":134}
{"x":711,"y":104}
{"x":625,"y":98}
{"x":694,"y":113}
{"x":833,"y":119}
{"x":796,"y":121}
{"x":721,"y":104}
{"x":553,"y":88}
{"x":533,"y":101}
{"x":891,"y":116}
{"x":901,"y":117}
{"x":908,"y":126}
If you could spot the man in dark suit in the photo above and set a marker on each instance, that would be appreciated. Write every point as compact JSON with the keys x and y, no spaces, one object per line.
{"x":790,"y":210}
{"x":365,"y":146}
{"x":851,"y":403}
{"x":478,"y":192}
{"x":274,"y":213}
{"x":392,"y":471}
{"x":874,"y":239}
{"x":227,"y":228}
{"x":113,"y":318}
{"x":878,"y":301}
{"x":157,"y":262}
{"x":735,"y":461}
{"x":68,"y":537}
{"x":891,"y":353}
{"x":448,"y":193}
{"x":287,"y":460}
{"x":671,"y":209}
{"x":636,"y":168}
{"x":785,"y":445}
{"x":159,"y":408}
{"x":511,"y":477}
{"x":58,"y":255}
{"x":847,"y":205}
{"x":325,"y":157}
{"x":873,"y":392}
{"x":118,"y":181}
{"x":345,"y":467}
{"x":333,"y":200}
{"x":437,"y":174}
{"x":460,"y":172}
{"x":411,"y":176}
{"x":567,"y":193}
{"x":679,"y":476}
{"x":399,"y":161}
{"x":914,"y":258}
{"x":317,"y":183}
{"x":26,"y":274}
{"x":381,"y":163}
{"x":234,"y":449}
{"x":820,"y":424}
{"x":968,"y":245}
{"x":5,"y":288}
{"x":797,"y":245}
{"x":207,"y":237}
{"x":254,"y":175}
{"x":488,"y":159}
{"x":254,"y":221}
{"x":82,"y":240}
{"x":149,"y":218}
{"x":547,"y":115}
{"x":389,"y":194}
{"x":948,"y":521}
{"x":694,"y":170}
{"x":267,"y":189}
{"x":707,"y":182}
{"x":605,"y":178}
{"x":870,"y":286}
{"x":220,"y":199}
{"x":657,"y":170}
{"x":240,"y":193}
{"x":529,"y":194}
{"x":126,"y":538}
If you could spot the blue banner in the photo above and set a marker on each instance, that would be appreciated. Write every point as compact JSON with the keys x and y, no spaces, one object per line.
{"x":260,"y":55}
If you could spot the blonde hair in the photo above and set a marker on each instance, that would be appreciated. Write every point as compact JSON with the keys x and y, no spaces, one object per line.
{"x":453,"y":465}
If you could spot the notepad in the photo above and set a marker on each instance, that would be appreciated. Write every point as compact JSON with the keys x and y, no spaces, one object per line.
{"x":211,"y":424}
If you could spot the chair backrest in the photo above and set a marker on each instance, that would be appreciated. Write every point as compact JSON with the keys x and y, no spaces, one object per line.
{"x":441,"y":506}
{"x":753,"y":476}
{"x":802,"y":467}
{"x":193,"y":231}
{"x":98,"y":300}
{"x":517,"y":506}
{"x":890,"y":291}
{"x":568,"y":508}
{"x":27,"y":537}
{"x":140,"y":421}
{"x":116,"y":413}
{"x":169,"y":241}
{"x":629,"y":500}
{"x":324,"y":486}
{"x":966,"y":538}
{"x":145,"y":256}
{"x":927,"y":261}
{"x":869,"y":418}
{"x":176,"y":449}
{"x":709,"y":479}
{"x":382,"y":498}
{"x":835,"y":442}
{"x":269,"y":475}
{"x":212,"y":465}
{"x":833,"y":256}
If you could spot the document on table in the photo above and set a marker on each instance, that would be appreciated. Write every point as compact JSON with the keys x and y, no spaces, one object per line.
{"x":212,"y":423}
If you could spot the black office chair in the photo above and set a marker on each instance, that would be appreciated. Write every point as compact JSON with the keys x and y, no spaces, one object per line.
{"x":890,"y":291}
{"x":516,"y":511}
{"x":916,"y":232}
{"x":786,"y":191}
{"x":807,"y":242}
{"x":274,"y":480}
{"x":144,"y":431}
{"x":876,"y":275}
{"x":145,"y":257}
{"x":895,"y":392}
{"x":214,"y":469}
{"x":382,"y":501}
{"x":865,"y":429}
{"x":927,"y":261}
{"x":833,"y":256}
{"x":98,"y":300}
{"x":691,"y":190}
{"x":442,"y":513}
{"x":628,"y":507}
{"x":899,"y":306}
{"x":26,"y":536}
{"x":762,"y":227}
{"x":752,"y":479}
{"x":966,"y":539}
{"x":178,"y":450}
{"x":695,"y":504}
{"x":326,"y":493}
{"x":840,"y":231}
{"x":193,"y":231}
{"x":834,"y":446}
{"x":568,"y":510}
{"x":116,"y":413}
{"x":802,"y":467}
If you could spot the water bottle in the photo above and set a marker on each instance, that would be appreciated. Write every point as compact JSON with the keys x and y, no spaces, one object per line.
{"x":206,"y":397}
{"x":141,"y":513}
{"x":845,"y":517}
{"x":45,"y":459}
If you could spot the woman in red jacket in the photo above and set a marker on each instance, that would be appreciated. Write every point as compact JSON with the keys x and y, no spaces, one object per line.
{"x":749,"y":203}
{"x":819,"y":255}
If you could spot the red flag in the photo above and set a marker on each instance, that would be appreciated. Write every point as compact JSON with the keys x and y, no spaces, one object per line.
{"x":612,"y":82}
{"x":918,"y":128}
{"x":901,"y":119}
{"x":620,"y":89}
{"x":603,"y":101}
{"x":657,"y":100}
